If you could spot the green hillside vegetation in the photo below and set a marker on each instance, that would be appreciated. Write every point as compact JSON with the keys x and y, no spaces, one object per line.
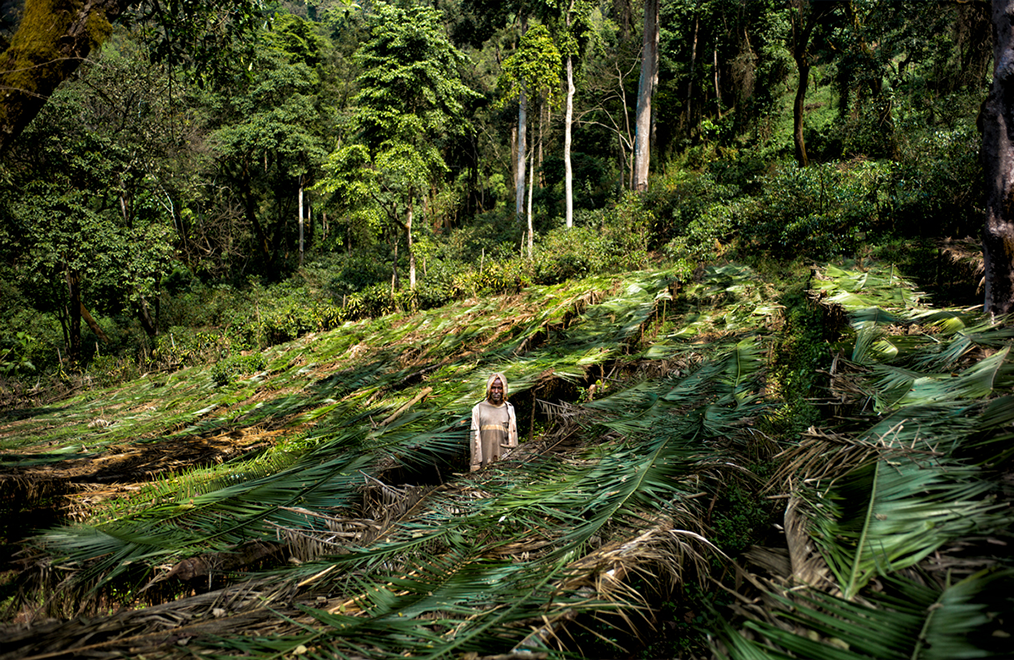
{"x":258,"y":260}
{"x":317,"y":500}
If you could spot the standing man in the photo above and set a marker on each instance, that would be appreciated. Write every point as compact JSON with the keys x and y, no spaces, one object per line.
{"x":494,"y":425}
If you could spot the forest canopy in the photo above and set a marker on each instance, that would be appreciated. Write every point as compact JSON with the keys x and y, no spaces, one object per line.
{"x":227,"y":143}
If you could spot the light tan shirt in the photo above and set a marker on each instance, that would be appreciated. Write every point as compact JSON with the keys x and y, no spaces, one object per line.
{"x":494,"y":431}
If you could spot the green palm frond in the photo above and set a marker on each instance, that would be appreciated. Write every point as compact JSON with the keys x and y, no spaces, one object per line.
{"x":891,"y":514}
{"x":909,"y":620}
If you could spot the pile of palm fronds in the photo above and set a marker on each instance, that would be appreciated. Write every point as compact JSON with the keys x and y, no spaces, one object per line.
{"x":641,"y":402}
{"x":898,"y":515}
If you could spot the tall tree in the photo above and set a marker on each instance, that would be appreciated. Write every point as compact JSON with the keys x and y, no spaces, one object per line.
{"x":804,"y":17}
{"x":271,"y":133}
{"x":575,"y":17}
{"x":94,"y":231}
{"x":532,"y":70}
{"x":645,"y":89}
{"x":568,"y":123}
{"x":411,"y":96}
{"x":998,"y":163}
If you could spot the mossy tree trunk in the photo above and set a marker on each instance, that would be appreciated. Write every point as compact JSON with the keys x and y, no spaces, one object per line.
{"x":51,"y":41}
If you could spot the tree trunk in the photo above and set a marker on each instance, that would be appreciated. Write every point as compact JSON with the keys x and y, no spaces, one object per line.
{"x":568,"y":177}
{"x":411,"y":249}
{"x":300,"y":220}
{"x":395,"y":280}
{"x":74,"y":315}
{"x":531,"y":190}
{"x":645,"y":88}
{"x":250,"y":211}
{"x":52,"y":39}
{"x":689,"y":122}
{"x":522,"y":157}
{"x":718,"y":90}
{"x":798,"y":109}
{"x":93,"y":324}
{"x":998,"y":166}
{"x":148,"y":322}
{"x":804,"y":19}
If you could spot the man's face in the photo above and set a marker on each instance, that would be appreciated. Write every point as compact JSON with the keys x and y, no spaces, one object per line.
{"x":496,"y":392}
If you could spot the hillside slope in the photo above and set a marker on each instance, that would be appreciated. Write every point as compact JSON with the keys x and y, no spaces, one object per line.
{"x":316,"y":500}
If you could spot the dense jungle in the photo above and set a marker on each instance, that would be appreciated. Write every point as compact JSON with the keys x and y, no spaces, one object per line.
{"x":746,"y":266}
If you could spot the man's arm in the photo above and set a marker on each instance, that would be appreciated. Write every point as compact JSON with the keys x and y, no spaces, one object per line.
{"x":475,"y":447}
{"x":512,"y":426}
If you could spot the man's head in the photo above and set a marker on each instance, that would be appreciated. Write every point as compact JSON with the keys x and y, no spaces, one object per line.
{"x":496,"y":389}
{"x":495,"y":392}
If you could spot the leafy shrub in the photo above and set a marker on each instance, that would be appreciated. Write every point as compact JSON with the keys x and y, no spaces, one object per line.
{"x":585,"y":250}
{"x":937,"y":186}
{"x":703,"y":237}
{"x":679,"y":198}
{"x":437,"y":287}
{"x":823,"y":210}
{"x":180,"y":347}
{"x":111,"y":369}
{"x":17,"y":359}
{"x":225,"y":370}
{"x":359,"y":270}
{"x":495,"y":276}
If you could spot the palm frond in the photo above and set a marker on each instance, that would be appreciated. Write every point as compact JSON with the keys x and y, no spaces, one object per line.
{"x":889,"y":515}
{"x":910,"y":620}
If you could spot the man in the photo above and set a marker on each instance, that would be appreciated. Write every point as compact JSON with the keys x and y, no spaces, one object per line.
{"x":494,"y":425}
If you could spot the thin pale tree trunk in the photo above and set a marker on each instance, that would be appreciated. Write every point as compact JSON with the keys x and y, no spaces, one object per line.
{"x":395,"y":280}
{"x":718,"y":91}
{"x":411,"y":249}
{"x":690,"y":78}
{"x":568,"y":177}
{"x":519,"y":202}
{"x":300,"y":220}
{"x":645,"y":89}
{"x":531,"y":190}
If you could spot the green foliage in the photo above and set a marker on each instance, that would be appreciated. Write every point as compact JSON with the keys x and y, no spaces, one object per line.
{"x":533,"y":69}
{"x":822,"y":211}
{"x":740,"y":519}
{"x":802,"y":354}
{"x":587,"y":249}
{"x":224,"y":371}
{"x":110,"y":370}
{"x":17,"y":359}
{"x":180,"y":346}
{"x":936,"y":184}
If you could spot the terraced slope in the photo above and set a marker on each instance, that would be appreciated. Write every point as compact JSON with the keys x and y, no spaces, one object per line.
{"x":322,"y":506}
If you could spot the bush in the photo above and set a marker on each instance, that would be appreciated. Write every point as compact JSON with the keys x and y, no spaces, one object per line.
{"x":180,"y":347}
{"x":937,"y":187}
{"x":679,"y":198}
{"x":110,"y":369}
{"x":704,"y":237}
{"x":225,"y":370}
{"x":823,"y":210}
